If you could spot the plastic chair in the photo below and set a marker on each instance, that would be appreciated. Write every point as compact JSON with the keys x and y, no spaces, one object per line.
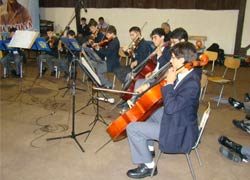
{"x":229,"y":63}
{"x":202,"y":125}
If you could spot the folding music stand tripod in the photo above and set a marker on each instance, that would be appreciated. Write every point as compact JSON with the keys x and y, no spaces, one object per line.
{"x":73,"y":87}
{"x":94,"y":99}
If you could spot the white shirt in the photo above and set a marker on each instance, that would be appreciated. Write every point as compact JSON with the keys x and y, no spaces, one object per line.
{"x":181,"y":76}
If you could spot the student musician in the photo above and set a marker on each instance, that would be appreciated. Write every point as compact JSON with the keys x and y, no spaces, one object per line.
{"x":138,"y":52}
{"x":49,"y":58}
{"x":108,"y":49}
{"x":67,"y":57}
{"x":162,"y":55}
{"x":96,"y":35}
{"x":13,"y":54}
{"x":175,"y":124}
{"x":177,"y":36}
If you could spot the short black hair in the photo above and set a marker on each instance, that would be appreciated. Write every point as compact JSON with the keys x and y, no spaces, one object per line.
{"x":101,"y":18}
{"x":111,"y":29}
{"x":71,"y":33}
{"x":184,"y":50}
{"x":135,"y":28}
{"x":12,"y":29}
{"x":83,"y":19}
{"x":49,"y":29}
{"x":179,"y":33}
{"x":157,"y":31}
{"x":92,"y":22}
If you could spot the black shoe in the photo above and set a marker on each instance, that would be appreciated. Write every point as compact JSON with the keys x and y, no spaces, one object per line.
{"x":230,"y":154}
{"x":247,"y":97}
{"x":141,"y":171}
{"x":243,"y":125}
{"x":236,"y":104}
{"x":223,"y":140}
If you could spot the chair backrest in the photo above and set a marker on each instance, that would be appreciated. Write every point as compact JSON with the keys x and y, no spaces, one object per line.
{"x":231,"y":63}
{"x":203,"y":123}
{"x":212,"y":56}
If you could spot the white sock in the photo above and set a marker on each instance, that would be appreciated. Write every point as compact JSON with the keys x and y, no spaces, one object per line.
{"x":150,"y":165}
{"x":151,"y":148}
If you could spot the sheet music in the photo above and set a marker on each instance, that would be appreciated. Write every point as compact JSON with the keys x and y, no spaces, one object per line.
{"x":23,"y":39}
{"x":90,"y":70}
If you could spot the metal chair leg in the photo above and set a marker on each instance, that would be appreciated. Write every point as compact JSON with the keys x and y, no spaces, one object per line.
{"x":198,"y":156}
{"x":21,"y":70}
{"x":156,"y":162}
{"x":190,"y":166}
{"x":41,"y":68}
{"x":221,"y":91}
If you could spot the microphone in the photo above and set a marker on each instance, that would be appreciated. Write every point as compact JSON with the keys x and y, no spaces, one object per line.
{"x":109,"y":100}
{"x":82,"y":5}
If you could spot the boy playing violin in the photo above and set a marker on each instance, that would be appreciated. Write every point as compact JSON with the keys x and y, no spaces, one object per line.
{"x":109,"y":53}
{"x":175,"y":124}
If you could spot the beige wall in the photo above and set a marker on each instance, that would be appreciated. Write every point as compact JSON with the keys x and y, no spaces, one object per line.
{"x":218,"y":26}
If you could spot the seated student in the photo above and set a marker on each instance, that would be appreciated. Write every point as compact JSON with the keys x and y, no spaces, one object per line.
{"x":175,"y":124}
{"x":68,"y":56}
{"x":49,"y":58}
{"x":162,"y":53}
{"x":13,"y":54}
{"x":178,"y":35}
{"x":138,"y":52}
{"x":102,"y":25}
{"x":233,"y":150}
{"x":109,"y":53}
{"x":96,"y":34}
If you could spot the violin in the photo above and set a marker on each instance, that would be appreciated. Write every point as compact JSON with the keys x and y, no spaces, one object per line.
{"x":104,"y":42}
{"x":131,"y":50}
{"x":146,"y":104}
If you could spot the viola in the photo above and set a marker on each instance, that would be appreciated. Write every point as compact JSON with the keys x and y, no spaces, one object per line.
{"x":145,"y":105}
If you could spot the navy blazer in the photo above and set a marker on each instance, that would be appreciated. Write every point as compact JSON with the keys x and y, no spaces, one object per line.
{"x":179,"y":129}
{"x":111,"y":52}
{"x":165,"y":57}
{"x":143,"y":50}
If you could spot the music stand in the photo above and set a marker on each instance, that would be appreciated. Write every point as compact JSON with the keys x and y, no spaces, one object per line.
{"x":73,"y":47}
{"x":86,"y":67}
{"x":73,"y":87}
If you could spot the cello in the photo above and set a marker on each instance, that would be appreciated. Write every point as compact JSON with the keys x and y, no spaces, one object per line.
{"x":145,"y":105}
{"x":147,"y":66}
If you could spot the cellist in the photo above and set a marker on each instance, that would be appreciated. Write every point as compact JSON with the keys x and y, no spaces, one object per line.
{"x":161,"y":53}
{"x":139,"y":50}
{"x":175,"y":124}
